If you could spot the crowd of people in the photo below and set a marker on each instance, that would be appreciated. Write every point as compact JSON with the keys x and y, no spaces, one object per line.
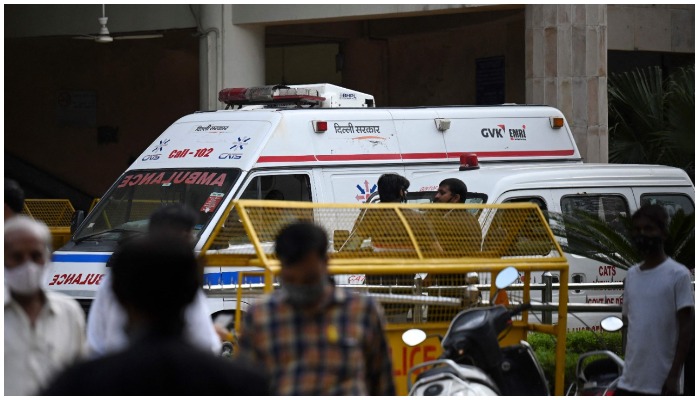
{"x":148,"y":331}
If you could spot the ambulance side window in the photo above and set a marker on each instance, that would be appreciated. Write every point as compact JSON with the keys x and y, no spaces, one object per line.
{"x":293,"y":187}
{"x":290,"y":187}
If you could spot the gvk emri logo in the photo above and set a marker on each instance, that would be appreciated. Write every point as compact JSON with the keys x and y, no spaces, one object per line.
{"x":515,"y":134}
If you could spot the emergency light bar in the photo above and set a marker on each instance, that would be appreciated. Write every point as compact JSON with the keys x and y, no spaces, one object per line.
{"x":270,"y":95}
{"x":468,"y":162}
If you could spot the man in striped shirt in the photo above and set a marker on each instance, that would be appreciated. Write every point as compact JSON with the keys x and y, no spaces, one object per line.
{"x":311,"y":337}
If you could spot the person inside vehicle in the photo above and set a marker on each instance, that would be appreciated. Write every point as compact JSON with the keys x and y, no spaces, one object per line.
{"x":388,"y":235}
{"x":459,"y":234}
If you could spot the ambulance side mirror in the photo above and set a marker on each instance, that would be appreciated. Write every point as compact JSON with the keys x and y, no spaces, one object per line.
{"x":611,"y":324}
{"x":340,"y":236}
{"x":76,"y":220}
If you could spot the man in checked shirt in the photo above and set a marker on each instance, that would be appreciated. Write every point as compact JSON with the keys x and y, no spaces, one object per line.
{"x":312,"y":337}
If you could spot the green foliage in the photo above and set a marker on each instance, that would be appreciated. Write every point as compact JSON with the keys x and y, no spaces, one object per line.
{"x":577,"y":343}
{"x":589,"y":236}
{"x":680,"y":244}
{"x":652,"y":119}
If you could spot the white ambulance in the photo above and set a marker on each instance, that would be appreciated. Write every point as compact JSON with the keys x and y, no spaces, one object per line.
{"x":324,"y":143}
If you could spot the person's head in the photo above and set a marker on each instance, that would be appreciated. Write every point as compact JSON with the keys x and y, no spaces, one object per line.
{"x":274,"y":194}
{"x":392,"y":188}
{"x":154,"y":278}
{"x":27,"y":254}
{"x":451,"y":190}
{"x":650,"y":229}
{"x":302,"y":248}
{"x":14,"y":198}
{"x":173,"y":220}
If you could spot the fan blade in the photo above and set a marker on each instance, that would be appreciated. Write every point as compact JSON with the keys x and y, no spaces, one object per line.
{"x":88,"y":37}
{"x":154,"y":36}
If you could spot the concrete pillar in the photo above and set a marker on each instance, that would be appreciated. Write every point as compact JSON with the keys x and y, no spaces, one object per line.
{"x":566,"y":67}
{"x":230,"y":55}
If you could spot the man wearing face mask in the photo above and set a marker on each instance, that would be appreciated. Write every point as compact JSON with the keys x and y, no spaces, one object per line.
{"x":311,"y":337}
{"x":657,"y":311}
{"x":44,"y":331}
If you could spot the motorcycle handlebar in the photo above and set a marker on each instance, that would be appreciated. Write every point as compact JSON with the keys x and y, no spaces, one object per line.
{"x":520,"y":308}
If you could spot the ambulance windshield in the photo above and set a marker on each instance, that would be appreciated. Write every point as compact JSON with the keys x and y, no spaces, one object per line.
{"x":128,"y":205}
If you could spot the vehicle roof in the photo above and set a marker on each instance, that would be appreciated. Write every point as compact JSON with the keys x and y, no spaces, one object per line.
{"x":268,"y":137}
{"x":500,"y":178}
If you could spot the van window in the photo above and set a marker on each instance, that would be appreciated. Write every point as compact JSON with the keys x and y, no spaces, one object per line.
{"x":295,"y":187}
{"x":291,"y":187}
{"x":672,"y":202}
{"x":537,"y":200}
{"x":609,"y":208}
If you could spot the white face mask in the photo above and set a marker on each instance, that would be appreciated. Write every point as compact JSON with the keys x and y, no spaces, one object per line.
{"x":25,"y":278}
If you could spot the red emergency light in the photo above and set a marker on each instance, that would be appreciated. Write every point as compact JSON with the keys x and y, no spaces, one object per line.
{"x":320,"y":126}
{"x":468,"y":162}
{"x":270,"y":95}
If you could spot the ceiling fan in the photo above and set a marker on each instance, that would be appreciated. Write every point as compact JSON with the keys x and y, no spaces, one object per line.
{"x":105,"y":37}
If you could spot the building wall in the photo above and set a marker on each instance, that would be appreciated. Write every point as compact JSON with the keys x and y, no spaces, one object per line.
{"x":141,"y":88}
{"x":658,"y":27}
{"x":299,"y":13}
{"x":439,"y":68}
{"x":30,"y":20}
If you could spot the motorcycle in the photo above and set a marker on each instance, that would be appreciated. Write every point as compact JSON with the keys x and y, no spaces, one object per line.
{"x":597,"y":372}
{"x":472,"y":362}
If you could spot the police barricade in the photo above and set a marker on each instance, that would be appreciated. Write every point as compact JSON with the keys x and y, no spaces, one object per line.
{"x":55,"y":213}
{"x":420,"y":261}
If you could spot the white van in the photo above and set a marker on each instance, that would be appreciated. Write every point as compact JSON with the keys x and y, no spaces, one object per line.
{"x":324,"y":143}
{"x":605,"y":190}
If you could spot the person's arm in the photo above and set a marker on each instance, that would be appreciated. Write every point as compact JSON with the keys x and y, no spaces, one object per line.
{"x":357,"y":235}
{"x":685,"y":335}
{"x":625,"y":311}
{"x":246,"y":346}
{"x":105,"y":322}
{"x":624,"y":334}
{"x":379,"y":369}
{"x":199,"y":327}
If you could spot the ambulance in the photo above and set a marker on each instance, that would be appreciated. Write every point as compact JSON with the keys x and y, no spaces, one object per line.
{"x":325,"y":143}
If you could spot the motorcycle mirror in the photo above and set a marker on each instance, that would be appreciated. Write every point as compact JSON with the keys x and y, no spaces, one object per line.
{"x":506,"y":277}
{"x":611,"y":324}
{"x":413,"y":337}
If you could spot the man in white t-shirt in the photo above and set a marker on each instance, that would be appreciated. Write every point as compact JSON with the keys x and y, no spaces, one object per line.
{"x":107,"y":318}
{"x":658,"y":311}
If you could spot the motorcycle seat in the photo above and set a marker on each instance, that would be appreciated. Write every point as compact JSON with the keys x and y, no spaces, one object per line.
{"x":603,"y":370}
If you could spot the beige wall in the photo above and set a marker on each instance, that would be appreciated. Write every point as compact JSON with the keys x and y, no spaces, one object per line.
{"x":660,"y":27}
{"x":142,"y":87}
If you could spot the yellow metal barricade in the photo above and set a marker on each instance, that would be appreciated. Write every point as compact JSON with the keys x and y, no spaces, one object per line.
{"x":419,"y":261}
{"x":94,"y":203}
{"x":55,"y":213}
